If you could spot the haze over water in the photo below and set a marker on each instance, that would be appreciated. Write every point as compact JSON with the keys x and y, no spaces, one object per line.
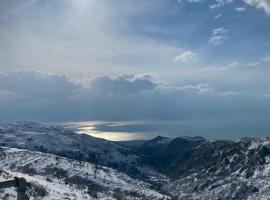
{"x":142,"y":130}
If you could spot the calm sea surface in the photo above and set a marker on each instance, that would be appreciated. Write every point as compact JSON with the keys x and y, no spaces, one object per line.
{"x":141,"y":130}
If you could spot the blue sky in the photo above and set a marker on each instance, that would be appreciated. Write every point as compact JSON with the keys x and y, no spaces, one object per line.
{"x":64,"y":60}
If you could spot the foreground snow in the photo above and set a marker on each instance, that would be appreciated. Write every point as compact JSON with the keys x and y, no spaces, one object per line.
{"x":54,"y":177}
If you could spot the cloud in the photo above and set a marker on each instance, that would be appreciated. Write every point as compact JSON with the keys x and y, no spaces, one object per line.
{"x":224,"y":68}
{"x":217,"y":39}
{"x":37,"y":85}
{"x":254,"y":64}
{"x":140,"y":97}
{"x":187,"y":57}
{"x":199,"y":88}
{"x":125,"y":84}
{"x":240,"y":9}
{"x":260,"y":4}
{"x":70,"y":36}
{"x":266,"y":59}
{"x":218,"y":16}
{"x":190,"y":1}
{"x":31,"y":95}
{"x":7,"y":96}
{"x":218,"y":36}
{"x":220,"y":3}
{"x":260,"y":63}
{"x":50,"y":97}
{"x":218,"y":31}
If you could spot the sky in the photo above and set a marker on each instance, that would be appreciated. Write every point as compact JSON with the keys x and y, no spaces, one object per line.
{"x":168,"y":60}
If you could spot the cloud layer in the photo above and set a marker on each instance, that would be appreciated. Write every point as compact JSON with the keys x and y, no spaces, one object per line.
{"x":51,"y":97}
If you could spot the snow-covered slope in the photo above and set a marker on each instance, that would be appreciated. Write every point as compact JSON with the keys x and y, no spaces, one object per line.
{"x":63,"y":142}
{"x":55,"y":178}
{"x":216,"y":170}
{"x":55,"y":139}
{"x":197,"y":168}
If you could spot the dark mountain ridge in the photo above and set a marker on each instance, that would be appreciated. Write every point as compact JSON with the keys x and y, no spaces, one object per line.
{"x":181,"y":156}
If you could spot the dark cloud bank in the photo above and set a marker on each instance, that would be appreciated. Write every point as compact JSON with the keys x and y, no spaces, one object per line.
{"x":28,"y":95}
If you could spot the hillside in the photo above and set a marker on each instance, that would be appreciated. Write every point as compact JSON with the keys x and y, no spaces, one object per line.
{"x":184,"y":168}
{"x":66,"y":143}
{"x":53,"y":177}
{"x":221,"y":169}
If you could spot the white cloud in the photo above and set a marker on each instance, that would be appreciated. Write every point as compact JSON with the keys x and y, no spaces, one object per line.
{"x":218,"y":36}
{"x":220,"y":3}
{"x":266,"y":59}
{"x":190,"y":1}
{"x":260,"y":4}
{"x":218,"y":31}
{"x":213,"y":6}
{"x":230,"y":93}
{"x":254,"y":64}
{"x":224,"y":68}
{"x":187,"y":57}
{"x":217,"y":39}
{"x":200,"y":88}
{"x":218,"y":16}
{"x":240,"y":9}
{"x":261,"y":62}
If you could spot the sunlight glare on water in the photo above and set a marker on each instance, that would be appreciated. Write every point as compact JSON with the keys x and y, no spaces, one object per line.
{"x":89,"y":128}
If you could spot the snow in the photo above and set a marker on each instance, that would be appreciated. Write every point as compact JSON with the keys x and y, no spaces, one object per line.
{"x":33,"y":166}
{"x":241,"y":170}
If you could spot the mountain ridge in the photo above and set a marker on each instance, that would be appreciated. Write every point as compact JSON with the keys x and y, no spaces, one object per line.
{"x":183,"y":168}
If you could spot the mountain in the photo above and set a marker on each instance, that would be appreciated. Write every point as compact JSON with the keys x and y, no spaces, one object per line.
{"x":52,"y":177}
{"x":221,"y":169}
{"x":131,"y":143}
{"x":57,"y":161}
{"x":66,"y":143}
